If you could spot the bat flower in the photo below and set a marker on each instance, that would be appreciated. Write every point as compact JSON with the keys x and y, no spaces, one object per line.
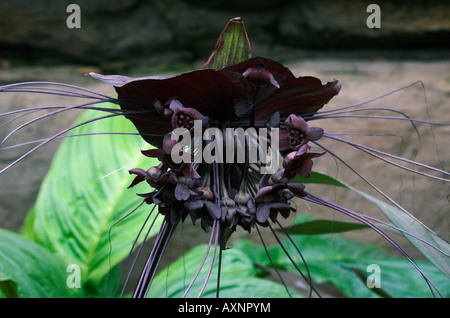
{"x":229,"y":126}
{"x":297,"y":133}
{"x":254,"y":94}
{"x":300,"y":162}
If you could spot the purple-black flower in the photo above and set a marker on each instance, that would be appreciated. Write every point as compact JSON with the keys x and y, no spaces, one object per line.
{"x":245,"y":95}
{"x":254,"y":94}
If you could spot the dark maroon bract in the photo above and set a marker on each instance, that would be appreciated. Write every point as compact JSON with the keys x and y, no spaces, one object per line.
{"x":248,"y":94}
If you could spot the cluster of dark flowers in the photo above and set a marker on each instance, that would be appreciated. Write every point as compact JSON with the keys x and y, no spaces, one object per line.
{"x":256,"y":93}
{"x":227,"y":192}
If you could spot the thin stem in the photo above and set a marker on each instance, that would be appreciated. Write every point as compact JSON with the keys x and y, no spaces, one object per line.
{"x":317,"y":200}
{"x":271,"y":261}
{"x":208,"y":275}
{"x":138,"y":252}
{"x":202,"y":263}
{"x":371,"y":99}
{"x":289,"y":256}
{"x":52,"y":138}
{"x":372,"y":152}
{"x":7,"y":88}
{"x":309,"y":280}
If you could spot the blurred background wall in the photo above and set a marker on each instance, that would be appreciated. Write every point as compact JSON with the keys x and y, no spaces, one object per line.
{"x":131,"y":32}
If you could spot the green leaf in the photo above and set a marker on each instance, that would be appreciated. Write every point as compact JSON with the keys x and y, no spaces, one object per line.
{"x":408,"y":223}
{"x":401,"y":220}
{"x":319,"y":178}
{"x":8,"y":286}
{"x":323,"y":227}
{"x":238,"y":277}
{"x":84,"y":194}
{"x":29,"y":270}
{"x":233,"y":46}
{"x":334,"y":259}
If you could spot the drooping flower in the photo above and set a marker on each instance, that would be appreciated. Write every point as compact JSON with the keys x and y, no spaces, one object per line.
{"x":245,"y":95}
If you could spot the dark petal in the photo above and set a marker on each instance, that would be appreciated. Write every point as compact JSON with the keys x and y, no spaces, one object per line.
{"x":311,"y":155}
{"x":193,"y":214}
{"x":205,"y":225}
{"x":262,"y":192}
{"x":278,"y":187}
{"x":285,"y":213}
{"x":302,"y":151}
{"x":141,"y":175}
{"x":296,"y":122}
{"x":300,"y":96}
{"x":295,"y":96}
{"x":205,"y":90}
{"x":296,"y":188}
{"x":193,"y":205}
{"x":166,"y":177}
{"x":213,"y":210}
{"x":280,"y":206}
{"x":242,"y":93}
{"x":305,"y":168}
{"x":288,"y":160}
{"x":251,"y":207}
{"x":154,"y":153}
{"x":243,"y":108}
{"x":285,"y":140}
{"x":278,"y":176}
{"x":280,"y":73}
{"x":136,"y":180}
{"x":174,"y":215}
{"x":287,"y":194}
{"x":242,"y":211}
{"x":260,"y":77}
{"x":208,"y":91}
{"x":182,"y":193}
{"x":138,"y":171}
{"x":264,"y":181}
{"x":157,"y":200}
{"x":175,"y":106}
{"x":188,"y":171}
{"x":262,"y":213}
{"x":184,"y":214}
{"x":274,"y":120}
{"x":148,"y":197}
{"x":168,"y":143}
{"x":230,"y":216}
{"x":314,"y":133}
{"x":149,"y":200}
